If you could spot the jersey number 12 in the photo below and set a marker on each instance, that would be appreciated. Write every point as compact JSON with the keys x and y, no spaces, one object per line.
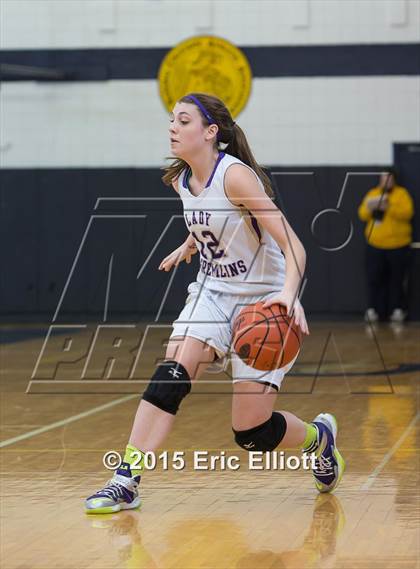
{"x":211,"y":243}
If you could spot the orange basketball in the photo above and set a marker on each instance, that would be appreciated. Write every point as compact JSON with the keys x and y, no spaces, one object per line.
{"x":266,"y":338}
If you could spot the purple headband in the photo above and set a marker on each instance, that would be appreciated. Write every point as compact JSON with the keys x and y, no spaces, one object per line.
{"x":202,"y":109}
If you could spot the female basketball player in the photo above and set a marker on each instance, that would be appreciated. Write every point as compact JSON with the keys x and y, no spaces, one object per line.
{"x":248,"y":252}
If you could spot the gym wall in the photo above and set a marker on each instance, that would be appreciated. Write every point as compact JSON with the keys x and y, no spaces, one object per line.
{"x":336,"y":83}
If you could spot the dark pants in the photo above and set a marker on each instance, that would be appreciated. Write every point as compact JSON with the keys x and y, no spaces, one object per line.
{"x":386,"y":271}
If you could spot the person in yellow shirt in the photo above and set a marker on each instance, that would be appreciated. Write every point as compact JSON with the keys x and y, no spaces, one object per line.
{"x":387,"y":210}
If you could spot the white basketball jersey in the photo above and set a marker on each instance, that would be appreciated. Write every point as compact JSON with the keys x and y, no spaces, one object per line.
{"x":237,"y":255}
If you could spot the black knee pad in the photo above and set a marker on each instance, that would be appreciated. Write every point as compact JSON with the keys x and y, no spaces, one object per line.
{"x":265,"y":437}
{"x":168,"y":386}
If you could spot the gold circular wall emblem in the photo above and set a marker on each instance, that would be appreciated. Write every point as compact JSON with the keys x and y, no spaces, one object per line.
{"x":206,"y":64}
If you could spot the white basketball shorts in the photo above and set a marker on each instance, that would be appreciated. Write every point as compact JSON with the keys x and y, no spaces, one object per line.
{"x":209,"y":316}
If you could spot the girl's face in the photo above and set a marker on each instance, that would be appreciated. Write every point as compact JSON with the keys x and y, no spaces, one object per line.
{"x":186,"y":131}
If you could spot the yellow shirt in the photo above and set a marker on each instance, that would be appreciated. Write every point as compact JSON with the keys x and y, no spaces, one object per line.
{"x":394,"y":230}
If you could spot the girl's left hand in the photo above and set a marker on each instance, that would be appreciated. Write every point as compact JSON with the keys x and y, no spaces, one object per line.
{"x":296,"y":310}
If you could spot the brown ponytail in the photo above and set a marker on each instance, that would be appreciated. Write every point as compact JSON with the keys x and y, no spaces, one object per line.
{"x":239,"y":147}
{"x":229,"y":133}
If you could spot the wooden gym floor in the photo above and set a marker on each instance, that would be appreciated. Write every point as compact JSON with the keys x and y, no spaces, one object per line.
{"x":55,"y":434}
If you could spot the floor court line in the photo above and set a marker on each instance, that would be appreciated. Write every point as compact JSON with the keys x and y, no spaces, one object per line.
{"x":66,"y":421}
{"x":373,"y":476}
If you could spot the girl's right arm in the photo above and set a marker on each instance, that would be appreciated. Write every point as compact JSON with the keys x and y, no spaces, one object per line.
{"x":183,"y":253}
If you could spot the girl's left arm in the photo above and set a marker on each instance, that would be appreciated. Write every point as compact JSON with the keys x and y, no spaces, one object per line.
{"x":242,"y":188}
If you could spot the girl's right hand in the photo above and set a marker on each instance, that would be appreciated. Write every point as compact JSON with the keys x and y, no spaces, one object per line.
{"x":183,"y":253}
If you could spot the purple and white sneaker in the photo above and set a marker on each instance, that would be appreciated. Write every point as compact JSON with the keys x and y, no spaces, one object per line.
{"x":119,"y":493}
{"x":329,"y":464}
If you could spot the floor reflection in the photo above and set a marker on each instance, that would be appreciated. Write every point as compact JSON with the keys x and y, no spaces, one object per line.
{"x":222,"y":543}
